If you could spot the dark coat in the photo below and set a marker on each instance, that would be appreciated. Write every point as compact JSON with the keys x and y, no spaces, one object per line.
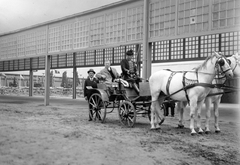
{"x":88,"y":82}
{"x":125,"y":68}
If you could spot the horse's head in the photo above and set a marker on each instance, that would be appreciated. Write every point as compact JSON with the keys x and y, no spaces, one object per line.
{"x":224,"y":66}
{"x":234,"y":62}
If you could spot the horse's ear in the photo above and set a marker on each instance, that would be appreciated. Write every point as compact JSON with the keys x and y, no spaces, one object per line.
{"x":218,"y":55}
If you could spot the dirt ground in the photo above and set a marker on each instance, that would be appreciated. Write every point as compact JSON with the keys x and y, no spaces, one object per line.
{"x":60,"y":134}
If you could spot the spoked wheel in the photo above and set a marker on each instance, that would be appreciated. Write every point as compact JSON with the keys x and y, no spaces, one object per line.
{"x":127,"y":113}
{"x":97,"y":108}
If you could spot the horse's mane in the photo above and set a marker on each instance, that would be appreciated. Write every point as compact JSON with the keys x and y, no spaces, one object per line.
{"x":203,"y":65}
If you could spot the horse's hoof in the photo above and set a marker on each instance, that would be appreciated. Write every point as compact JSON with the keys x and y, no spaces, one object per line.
{"x":158,"y":127}
{"x":200,"y":133}
{"x":192,"y":133}
{"x":152,"y":128}
{"x":161,"y":121}
{"x":207,"y":132}
{"x":180,"y":126}
{"x":217,"y":131}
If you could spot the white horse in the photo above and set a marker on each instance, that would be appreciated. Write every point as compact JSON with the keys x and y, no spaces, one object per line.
{"x":181,"y":86}
{"x":219,"y":79}
{"x":215,"y":99}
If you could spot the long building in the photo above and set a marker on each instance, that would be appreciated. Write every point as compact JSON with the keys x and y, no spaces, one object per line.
{"x":163,"y":33}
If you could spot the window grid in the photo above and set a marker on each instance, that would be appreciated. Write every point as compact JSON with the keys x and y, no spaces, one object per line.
{"x":193,"y":16}
{"x":162,"y":18}
{"x":27,"y":63}
{"x":97,"y":31}
{"x":109,"y":54}
{"x":80,"y":58}
{"x":11,"y":47}
{"x":161,"y":51}
{"x":54,"y":61}
{"x":135,"y":23}
{"x":99,"y":57}
{"x":62,"y":60}
{"x":230,"y":43}
{"x":66,"y":34}
{"x":11,"y":65}
{"x":177,"y":49}
{"x":69,"y":59}
{"x":90,"y":57}
{"x":115,"y":27}
{"x":41,"y":40}
{"x":209,"y":44}
{"x":5,"y":63}
{"x":226,"y":13}
{"x":21,"y":64}
{"x":119,"y":54}
{"x":30,"y":44}
{"x":21,"y":45}
{"x":34,"y":63}
{"x":41,"y":63}
{"x":81,"y":34}
{"x":1,"y":65}
{"x":191,"y":47}
{"x":54,"y":39}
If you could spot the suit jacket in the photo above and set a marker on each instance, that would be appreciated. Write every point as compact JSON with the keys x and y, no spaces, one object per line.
{"x":92,"y":83}
{"x":125,"y":68}
{"x":106,"y":73}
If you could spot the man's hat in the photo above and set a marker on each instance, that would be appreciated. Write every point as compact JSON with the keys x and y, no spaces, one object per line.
{"x":91,"y":70}
{"x":129,"y":53}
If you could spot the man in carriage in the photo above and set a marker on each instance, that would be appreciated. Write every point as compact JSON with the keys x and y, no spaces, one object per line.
{"x":129,"y":70}
{"x":108,"y":74}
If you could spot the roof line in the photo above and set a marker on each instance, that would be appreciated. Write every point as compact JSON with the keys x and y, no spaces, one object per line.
{"x":68,"y":17}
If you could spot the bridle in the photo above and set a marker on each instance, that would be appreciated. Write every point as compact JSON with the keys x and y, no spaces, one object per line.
{"x":221,"y":62}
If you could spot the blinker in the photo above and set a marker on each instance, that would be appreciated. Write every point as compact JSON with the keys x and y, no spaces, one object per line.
{"x":221,"y":62}
{"x":229,"y":61}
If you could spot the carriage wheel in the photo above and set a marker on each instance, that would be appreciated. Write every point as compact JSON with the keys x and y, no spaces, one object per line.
{"x":97,"y":108}
{"x":127,"y":113}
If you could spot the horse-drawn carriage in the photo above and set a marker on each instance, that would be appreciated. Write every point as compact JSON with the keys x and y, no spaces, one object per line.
{"x":186,"y":86}
{"x":126,"y":100}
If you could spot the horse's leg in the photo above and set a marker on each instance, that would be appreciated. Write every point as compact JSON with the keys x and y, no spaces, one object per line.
{"x":216,"y":115}
{"x":158,"y":108}
{"x":180,"y":108}
{"x":199,"y":109}
{"x":193,"y":107}
{"x":208,"y":114}
{"x":153,"y":110}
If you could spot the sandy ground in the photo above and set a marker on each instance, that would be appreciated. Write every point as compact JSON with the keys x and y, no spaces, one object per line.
{"x":60,"y":134}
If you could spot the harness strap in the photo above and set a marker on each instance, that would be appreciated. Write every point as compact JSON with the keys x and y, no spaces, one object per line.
{"x":169,"y":80}
{"x":184,"y":87}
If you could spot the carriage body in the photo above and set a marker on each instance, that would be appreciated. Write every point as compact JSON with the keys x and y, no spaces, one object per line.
{"x":126,"y":100}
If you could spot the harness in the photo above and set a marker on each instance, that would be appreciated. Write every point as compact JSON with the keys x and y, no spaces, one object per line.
{"x":187,"y":84}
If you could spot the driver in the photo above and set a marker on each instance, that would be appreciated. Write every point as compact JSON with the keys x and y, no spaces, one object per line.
{"x":129,"y":70}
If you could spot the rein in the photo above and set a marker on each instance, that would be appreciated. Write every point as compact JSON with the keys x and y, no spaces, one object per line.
{"x":188,"y":83}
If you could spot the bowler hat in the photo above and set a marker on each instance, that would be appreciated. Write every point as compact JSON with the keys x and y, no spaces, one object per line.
{"x":91,"y":70}
{"x":129,"y":53}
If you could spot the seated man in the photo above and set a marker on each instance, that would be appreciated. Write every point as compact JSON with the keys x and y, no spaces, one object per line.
{"x":129,"y":70}
{"x":108,"y":73}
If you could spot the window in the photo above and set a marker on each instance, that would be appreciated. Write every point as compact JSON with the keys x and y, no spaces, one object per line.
{"x":115,"y":27}
{"x":162,"y":18}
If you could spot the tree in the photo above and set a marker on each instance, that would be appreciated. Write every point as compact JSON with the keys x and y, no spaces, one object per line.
{"x":64,"y":79}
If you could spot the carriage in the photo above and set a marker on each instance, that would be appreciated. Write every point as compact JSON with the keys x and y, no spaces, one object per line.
{"x":150,"y":100}
{"x":126,"y":100}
